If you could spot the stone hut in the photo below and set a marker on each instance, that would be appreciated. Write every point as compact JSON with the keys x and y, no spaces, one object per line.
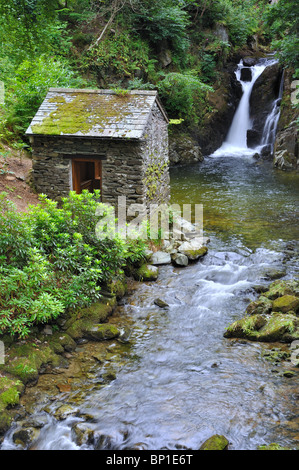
{"x":101,"y":139}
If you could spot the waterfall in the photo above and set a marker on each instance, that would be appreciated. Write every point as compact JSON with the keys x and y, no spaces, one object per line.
{"x":269,"y":132}
{"x":236,"y":140}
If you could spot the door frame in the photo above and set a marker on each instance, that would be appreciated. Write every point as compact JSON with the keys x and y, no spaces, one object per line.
{"x":97,"y":170}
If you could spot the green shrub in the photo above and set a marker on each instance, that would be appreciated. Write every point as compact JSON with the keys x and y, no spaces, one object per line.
{"x":27,"y":85}
{"x":51,"y":260}
{"x":184,"y":96}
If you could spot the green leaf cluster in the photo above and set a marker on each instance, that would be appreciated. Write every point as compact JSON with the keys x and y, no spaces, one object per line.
{"x":184,"y":95}
{"x":51,"y":260}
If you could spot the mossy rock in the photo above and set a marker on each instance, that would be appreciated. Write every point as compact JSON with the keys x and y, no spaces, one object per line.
{"x":247,"y":327}
{"x":25,"y":361}
{"x":286,"y":303}
{"x":146,"y":273}
{"x":118,"y":288}
{"x":83,"y":320}
{"x":277,"y":327}
{"x":262,"y":306}
{"x":216,"y":442}
{"x":281,"y":288}
{"x":194,"y":255}
{"x":10,"y":390}
{"x":102,"y":332}
{"x":272,"y":446}
{"x":99,"y":311}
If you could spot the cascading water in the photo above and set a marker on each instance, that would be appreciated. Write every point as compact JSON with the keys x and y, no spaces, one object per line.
{"x":269,"y":132}
{"x":236,"y":141}
{"x":177,"y":381}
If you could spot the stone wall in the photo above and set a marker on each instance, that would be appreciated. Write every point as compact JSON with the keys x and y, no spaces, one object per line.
{"x":156,"y":159}
{"x":126,"y":164}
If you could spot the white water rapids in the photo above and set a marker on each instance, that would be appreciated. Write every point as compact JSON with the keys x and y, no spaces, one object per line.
{"x":178,"y":380}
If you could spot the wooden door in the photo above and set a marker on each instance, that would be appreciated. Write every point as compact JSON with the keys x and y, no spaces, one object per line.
{"x":87,"y":174}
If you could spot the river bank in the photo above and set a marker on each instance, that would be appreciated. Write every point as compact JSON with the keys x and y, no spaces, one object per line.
{"x":92,"y":362}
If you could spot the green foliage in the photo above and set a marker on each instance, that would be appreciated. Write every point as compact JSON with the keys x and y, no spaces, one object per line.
{"x":164,"y":20}
{"x":281,"y":27}
{"x":51,"y":260}
{"x":121,"y":55}
{"x":26,"y":86}
{"x":24,"y":25}
{"x":184,"y":96}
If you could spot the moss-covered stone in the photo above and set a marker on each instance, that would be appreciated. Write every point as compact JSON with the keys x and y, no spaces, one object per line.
{"x":260,"y":307}
{"x":216,"y":442}
{"x":277,"y":327}
{"x":194,"y":255}
{"x":281,"y":288}
{"x":146,"y":273}
{"x":272,"y":446}
{"x":102,"y":332}
{"x":246,"y":327}
{"x":286,"y":303}
{"x":10,"y":390}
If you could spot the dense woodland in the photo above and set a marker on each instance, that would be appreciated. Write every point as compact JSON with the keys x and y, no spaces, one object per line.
{"x":169,"y":45}
{"x":50,"y":259}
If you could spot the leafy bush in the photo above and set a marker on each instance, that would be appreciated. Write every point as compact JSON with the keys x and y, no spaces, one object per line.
{"x":184,"y":96}
{"x":163,"y":21}
{"x":281,"y":27}
{"x":27,"y":85}
{"x":51,"y":260}
{"x":121,"y":55}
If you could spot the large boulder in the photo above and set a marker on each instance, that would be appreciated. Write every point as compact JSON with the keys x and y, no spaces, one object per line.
{"x":264,"y":92}
{"x":286,"y":154}
{"x":273,"y":317}
{"x":183,"y":149}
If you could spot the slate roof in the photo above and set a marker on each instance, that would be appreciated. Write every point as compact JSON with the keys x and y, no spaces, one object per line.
{"x":95,"y":113}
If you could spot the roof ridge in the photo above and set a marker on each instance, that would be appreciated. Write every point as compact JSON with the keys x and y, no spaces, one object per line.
{"x":102,"y":91}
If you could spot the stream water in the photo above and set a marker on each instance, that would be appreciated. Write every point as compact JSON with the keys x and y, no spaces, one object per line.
{"x":177,"y":380}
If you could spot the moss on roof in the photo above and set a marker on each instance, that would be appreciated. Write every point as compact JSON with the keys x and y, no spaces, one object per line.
{"x":82,"y":112}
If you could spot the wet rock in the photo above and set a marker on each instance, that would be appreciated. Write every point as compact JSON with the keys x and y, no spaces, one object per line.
{"x":246,"y":74}
{"x":193,"y":249}
{"x":264,"y":92}
{"x":179,"y":259}
{"x":82,"y":433}
{"x":289,"y":374}
{"x":249,"y":61}
{"x":216,"y":442}
{"x":146,"y":273}
{"x":161,"y":257}
{"x":266,"y":152}
{"x":160,"y":303}
{"x":65,"y":411}
{"x":253,"y":139}
{"x":274,"y":274}
{"x":25,"y":437}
